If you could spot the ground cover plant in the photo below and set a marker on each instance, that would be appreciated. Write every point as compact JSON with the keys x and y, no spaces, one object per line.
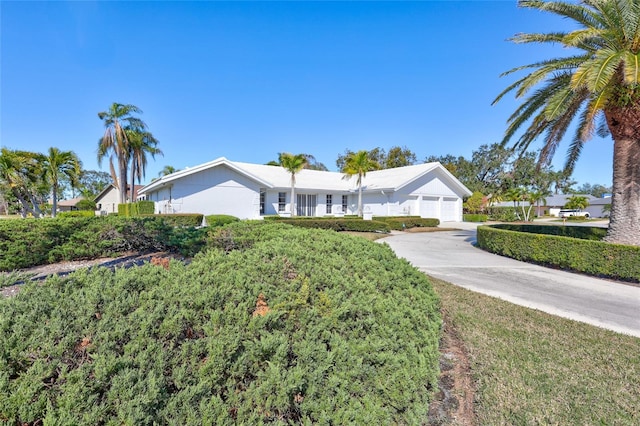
{"x":535,"y":368}
{"x":271,"y":324}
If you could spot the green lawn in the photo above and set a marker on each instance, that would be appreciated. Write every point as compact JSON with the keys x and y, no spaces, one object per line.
{"x":535,"y":368}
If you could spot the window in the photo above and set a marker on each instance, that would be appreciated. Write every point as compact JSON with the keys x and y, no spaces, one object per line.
{"x":262,"y":199}
{"x":282,"y":201}
{"x":329,"y":203}
{"x":345,"y":203}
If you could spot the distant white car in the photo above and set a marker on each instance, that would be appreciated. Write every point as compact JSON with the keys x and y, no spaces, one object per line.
{"x":573,"y":212}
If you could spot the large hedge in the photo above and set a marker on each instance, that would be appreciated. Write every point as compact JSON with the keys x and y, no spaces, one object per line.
{"x":400,"y":223}
{"x":577,"y":254}
{"x":30,"y":242}
{"x":293,"y":326}
{"x":338,"y":224}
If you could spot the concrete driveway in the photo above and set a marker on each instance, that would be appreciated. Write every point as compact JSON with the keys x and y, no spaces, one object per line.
{"x":452,"y":256}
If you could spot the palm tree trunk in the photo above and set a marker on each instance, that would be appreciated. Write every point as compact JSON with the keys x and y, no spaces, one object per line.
{"x":54,"y":197}
{"x":293,"y":198}
{"x":624,"y":225}
{"x":133,"y":180}
{"x":360,"y":195}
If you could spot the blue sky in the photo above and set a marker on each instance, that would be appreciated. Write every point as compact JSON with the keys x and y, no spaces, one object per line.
{"x":246,"y":80}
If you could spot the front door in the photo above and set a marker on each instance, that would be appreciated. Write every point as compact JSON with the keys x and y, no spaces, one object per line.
{"x":306,"y":204}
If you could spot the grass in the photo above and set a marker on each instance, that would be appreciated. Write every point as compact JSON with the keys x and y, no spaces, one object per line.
{"x":535,"y":368}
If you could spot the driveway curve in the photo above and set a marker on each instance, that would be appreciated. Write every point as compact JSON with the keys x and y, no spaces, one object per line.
{"x":452,"y":256}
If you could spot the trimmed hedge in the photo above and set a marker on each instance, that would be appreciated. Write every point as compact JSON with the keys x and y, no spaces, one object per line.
{"x":357,"y":225}
{"x":596,"y":258}
{"x":400,"y":223}
{"x":582,"y":232}
{"x":76,"y":213}
{"x":345,"y":333}
{"x":219,"y":219}
{"x":143,"y":207}
{"x":469,"y":217}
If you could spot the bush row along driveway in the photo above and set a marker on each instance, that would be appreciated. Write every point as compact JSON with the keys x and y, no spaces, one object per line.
{"x":452,"y":256}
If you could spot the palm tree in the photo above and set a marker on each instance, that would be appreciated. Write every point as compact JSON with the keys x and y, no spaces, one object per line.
{"x":115,"y":142}
{"x":57,"y":164}
{"x":599,"y":85}
{"x":293,"y":164}
{"x":167,"y":170}
{"x":359,"y":163}
{"x":141,"y":143}
{"x":20,"y":174}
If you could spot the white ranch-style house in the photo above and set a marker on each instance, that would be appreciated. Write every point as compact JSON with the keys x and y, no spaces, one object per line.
{"x":251,"y":191}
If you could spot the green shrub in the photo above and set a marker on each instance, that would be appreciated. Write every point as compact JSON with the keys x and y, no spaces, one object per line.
{"x":582,"y":255}
{"x":349,"y":335}
{"x":468,"y":217}
{"x":182,"y":219}
{"x":76,"y":213}
{"x":219,"y":219}
{"x":30,"y":242}
{"x":86,"y":205}
{"x":124,"y":209}
{"x":338,"y":224}
{"x":502,"y":214}
{"x":405,"y":222}
{"x":582,"y":232}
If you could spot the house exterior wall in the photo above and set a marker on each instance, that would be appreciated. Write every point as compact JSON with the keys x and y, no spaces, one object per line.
{"x":109,"y":201}
{"x":219,"y":190}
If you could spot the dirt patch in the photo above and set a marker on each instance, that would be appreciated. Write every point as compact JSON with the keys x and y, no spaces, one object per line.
{"x":453,"y":403}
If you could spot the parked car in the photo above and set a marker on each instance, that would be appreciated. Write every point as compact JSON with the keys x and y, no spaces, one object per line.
{"x":573,"y":212}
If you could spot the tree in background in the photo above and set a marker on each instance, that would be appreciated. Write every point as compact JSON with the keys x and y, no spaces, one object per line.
{"x":359,"y":163}
{"x":396,"y":157}
{"x":167,"y":170}
{"x":599,"y":85}
{"x":115,"y":141}
{"x":596,"y":190}
{"x":311,"y":162}
{"x":56,"y":164}
{"x":141,"y":143}
{"x":93,"y":182}
{"x":293,"y":164}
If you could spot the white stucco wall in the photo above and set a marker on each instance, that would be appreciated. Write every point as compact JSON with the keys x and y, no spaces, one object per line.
{"x":108,"y":203}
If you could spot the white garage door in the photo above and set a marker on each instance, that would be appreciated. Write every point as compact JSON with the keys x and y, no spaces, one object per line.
{"x":429,"y":207}
{"x":449,"y":210}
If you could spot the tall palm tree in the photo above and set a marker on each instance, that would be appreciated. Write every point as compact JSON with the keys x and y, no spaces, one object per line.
{"x":293,"y":164}
{"x":359,"y":163}
{"x":599,"y":84}
{"x":20,"y":174}
{"x":57,"y":164}
{"x":115,"y":142}
{"x":141,"y":143}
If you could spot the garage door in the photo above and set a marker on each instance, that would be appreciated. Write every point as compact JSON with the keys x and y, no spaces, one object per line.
{"x":449,"y":209}
{"x":429,"y":207}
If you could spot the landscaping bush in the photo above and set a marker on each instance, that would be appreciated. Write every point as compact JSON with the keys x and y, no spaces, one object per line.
{"x":184,"y":219}
{"x":303,"y":327}
{"x":85,"y":204}
{"x":400,"y":223}
{"x":76,"y":213}
{"x":138,"y":208}
{"x":338,"y":224}
{"x":30,"y":242}
{"x":220,"y":219}
{"x":502,"y":214}
{"x":581,"y":255}
{"x":475,"y":217}
{"x":582,"y":232}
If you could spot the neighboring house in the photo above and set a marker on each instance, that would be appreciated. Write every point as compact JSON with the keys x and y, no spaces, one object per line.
{"x":107,"y":201}
{"x":68,"y":205}
{"x":555,"y":203}
{"x":251,"y":191}
{"x":596,"y":207}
